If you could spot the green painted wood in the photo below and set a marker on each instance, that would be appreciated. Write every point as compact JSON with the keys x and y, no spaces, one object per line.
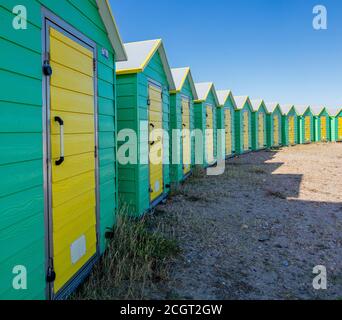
{"x":239,"y":128}
{"x":132,"y":95}
{"x":285,"y":127}
{"x":270,"y":128}
{"x":21,"y":164}
{"x":176,"y":170}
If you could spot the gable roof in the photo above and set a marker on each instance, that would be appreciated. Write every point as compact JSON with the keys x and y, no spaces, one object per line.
{"x":317,"y":110}
{"x":287,"y":108}
{"x":179,"y":77}
{"x":241,"y":102}
{"x":106,"y":14}
{"x":140,"y":54}
{"x":203,"y":90}
{"x":257,"y":104}
{"x":334,"y":111}
{"x":224,"y":95}
{"x":302,"y":109}
{"x":272,"y":106}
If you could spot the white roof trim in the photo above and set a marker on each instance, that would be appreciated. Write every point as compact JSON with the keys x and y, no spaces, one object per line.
{"x":179,"y":77}
{"x":224,"y":95}
{"x":241,"y":102}
{"x":139,"y":56}
{"x":107,"y":16}
{"x":203,"y":90}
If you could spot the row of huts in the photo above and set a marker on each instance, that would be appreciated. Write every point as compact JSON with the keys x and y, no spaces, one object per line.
{"x":67,"y":98}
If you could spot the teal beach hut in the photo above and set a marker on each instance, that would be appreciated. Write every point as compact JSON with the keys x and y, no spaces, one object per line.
{"x":306,"y":124}
{"x":143,"y":85}
{"x":274,"y":125}
{"x":205,"y":121}
{"x":58,"y":195}
{"x":322,"y":124}
{"x":243,"y":124}
{"x":290,"y":125}
{"x":226,"y":120}
{"x":182,"y":119}
{"x":259,"y":124}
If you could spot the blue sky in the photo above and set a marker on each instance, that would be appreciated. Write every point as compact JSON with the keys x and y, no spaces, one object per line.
{"x":262,"y":48}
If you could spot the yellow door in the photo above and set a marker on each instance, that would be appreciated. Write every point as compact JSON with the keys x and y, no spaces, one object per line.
{"x":73,"y":181}
{"x":186,"y":135}
{"x":245,"y":131}
{"x":339,"y":131}
{"x":261,"y":130}
{"x":323,"y":128}
{"x":307,"y":127}
{"x":292,"y":130}
{"x":155,"y":141}
{"x":275,"y":130}
{"x":228,"y":130}
{"x":210,"y":135}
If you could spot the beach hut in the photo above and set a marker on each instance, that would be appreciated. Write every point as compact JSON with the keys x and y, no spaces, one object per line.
{"x":336,"y":124}
{"x":274,"y":125}
{"x":243,"y":124}
{"x":225,"y":120}
{"x":143,"y":85}
{"x":306,"y":124}
{"x":259,"y":124}
{"x":289,"y":125}
{"x":205,"y":121}
{"x":322,"y":124}
{"x":57,"y":143}
{"x":182,"y":119}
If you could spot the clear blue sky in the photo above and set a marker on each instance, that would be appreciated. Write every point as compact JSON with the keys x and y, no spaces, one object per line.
{"x":262,"y":48}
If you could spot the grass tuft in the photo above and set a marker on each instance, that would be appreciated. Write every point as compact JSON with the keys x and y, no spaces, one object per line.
{"x":136,"y":255}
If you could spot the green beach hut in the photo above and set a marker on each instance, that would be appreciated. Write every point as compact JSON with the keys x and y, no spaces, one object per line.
{"x":182,"y":119}
{"x":225,"y":120}
{"x":58,"y":195}
{"x":243,"y":124}
{"x":336,"y":124}
{"x":290,"y":125}
{"x":259,"y":124}
{"x":322,"y":124}
{"x":306,"y":124}
{"x":205,"y":121}
{"x":143,"y":85}
{"x":274,"y":125}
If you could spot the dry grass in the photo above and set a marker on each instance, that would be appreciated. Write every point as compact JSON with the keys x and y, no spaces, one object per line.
{"x":135,"y":259}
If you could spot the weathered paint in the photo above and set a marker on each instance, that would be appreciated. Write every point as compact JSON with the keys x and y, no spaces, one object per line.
{"x":132,"y":109}
{"x":22,"y":222}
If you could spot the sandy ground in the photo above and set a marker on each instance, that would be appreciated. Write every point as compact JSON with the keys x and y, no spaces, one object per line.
{"x":258,"y":231}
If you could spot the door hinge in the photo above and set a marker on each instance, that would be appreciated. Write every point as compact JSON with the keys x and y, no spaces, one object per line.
{"x":148,"y":101}
{"x":94,"y":64}
{"x":51,"y":274}
{"x":95,"y":151}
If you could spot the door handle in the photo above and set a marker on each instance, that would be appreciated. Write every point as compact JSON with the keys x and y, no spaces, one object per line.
{"x":61,"y":132}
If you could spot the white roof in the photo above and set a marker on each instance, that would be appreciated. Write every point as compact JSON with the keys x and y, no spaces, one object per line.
{"x":223,"y":96}
{"x":316,"y":110}
{"x":203,"y":89}
{"x":241,"y":101}
{"x":179,"y":77}
{"x":256,"y":104}
{"x":302,"y":108}
{"x":112,"y":30}
{"x":140,"y":54}
{"x":287,"y":108}
{"x":334,"y":111}
{"x":271,"y":106}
